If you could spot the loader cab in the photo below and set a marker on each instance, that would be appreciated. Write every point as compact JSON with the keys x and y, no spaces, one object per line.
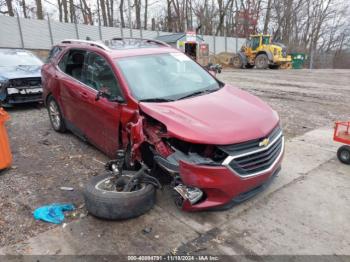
{"x":255,"y":42}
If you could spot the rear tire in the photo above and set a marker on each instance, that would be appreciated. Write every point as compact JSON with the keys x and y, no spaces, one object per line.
{"x":274,"y":66}
{"x":237,"y":61}
{"x":55,"y":115}
{"x":344,"y":154}
{"x":115,"y":205}
{"x":262,"y":61}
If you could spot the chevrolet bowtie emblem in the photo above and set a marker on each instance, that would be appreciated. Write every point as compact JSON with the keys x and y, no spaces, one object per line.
{"x":265,"y":142}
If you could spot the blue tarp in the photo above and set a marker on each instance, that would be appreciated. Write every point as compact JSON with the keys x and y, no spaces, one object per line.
{"x":52,"y":213}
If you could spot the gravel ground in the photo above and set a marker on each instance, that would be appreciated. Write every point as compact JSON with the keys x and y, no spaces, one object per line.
{"x":304,"y":99}
{"x":44,"y":160}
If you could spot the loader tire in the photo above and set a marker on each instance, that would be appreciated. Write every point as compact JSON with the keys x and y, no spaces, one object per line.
{"x":114,"y":205}
{"x":261,"y":61}
{"x":237,"y":62}
{"x":274,"y":66}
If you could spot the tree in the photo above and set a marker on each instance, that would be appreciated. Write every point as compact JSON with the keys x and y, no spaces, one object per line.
{"x":39,"y":9}
{"x":121,"y":11}
{"x":9,"y":8}
{"x":145,"y":15}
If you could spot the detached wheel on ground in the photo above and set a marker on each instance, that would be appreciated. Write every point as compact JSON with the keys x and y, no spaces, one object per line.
{"x":344,"y":154}
{"x":104,"y":201}
{"x":55,"y":115}
{"x":262,"y":61}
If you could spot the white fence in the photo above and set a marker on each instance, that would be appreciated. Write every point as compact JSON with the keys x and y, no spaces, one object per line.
{"x":18,"y":32}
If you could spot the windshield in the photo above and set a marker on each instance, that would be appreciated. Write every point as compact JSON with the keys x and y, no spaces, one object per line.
{"x":169,"y":76}
{"x":266,"y":40}
{"x":9,"y":58}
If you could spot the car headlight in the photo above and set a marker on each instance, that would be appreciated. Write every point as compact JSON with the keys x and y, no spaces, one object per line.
{"x":3,"y":84}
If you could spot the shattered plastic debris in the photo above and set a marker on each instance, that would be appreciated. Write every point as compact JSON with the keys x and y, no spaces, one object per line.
{"x":52,"y":213}
{"x":66,"y":188}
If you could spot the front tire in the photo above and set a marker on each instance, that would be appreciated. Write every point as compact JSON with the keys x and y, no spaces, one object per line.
{"x":344,"y":154}
{"x":55,"y":115}
{"x":237,"y":62}
{"x":114,"y":205}
{"x":262,"y":61}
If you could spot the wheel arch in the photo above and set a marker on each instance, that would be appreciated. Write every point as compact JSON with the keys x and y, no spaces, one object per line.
{"x":267,"y":53}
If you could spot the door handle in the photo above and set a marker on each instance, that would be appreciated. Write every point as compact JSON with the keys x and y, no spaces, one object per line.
{"x":84,"y":95}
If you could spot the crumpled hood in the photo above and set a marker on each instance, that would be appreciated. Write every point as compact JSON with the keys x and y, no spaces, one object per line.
{"x":14,"y":72}
{"x":227,"y":116}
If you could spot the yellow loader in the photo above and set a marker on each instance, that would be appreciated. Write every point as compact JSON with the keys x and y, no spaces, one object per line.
{"x":260,"y":52}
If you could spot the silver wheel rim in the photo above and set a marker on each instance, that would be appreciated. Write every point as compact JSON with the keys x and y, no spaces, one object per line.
{"x":106,"y":186}
{"x":345,"y":155}
{"x":54,"y":115}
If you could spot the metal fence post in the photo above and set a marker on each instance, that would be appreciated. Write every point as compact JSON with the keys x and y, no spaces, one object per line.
{"x":214,"y":44}
{"x":50,"y":29}
{"x":121,"y":30}
{"x":20,"y":31}
{"x":236,"y":44}
{"x":141,"y":31}
{"x":225,"y":43}
{"x":76,"y":30}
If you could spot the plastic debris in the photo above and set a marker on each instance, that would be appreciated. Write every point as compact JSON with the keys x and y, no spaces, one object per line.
{"x":52,"y":213}
{"x":66,"y":188}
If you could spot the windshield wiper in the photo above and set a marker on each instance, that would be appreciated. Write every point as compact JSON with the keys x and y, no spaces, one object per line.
{"x":207,"y":91}
{"x":156,"y":100}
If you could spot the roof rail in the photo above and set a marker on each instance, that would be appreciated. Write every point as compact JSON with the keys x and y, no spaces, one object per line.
{"x":146,"y":40}
{"x":86,"y":42}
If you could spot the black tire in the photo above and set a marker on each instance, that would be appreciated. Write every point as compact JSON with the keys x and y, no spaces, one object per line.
{"x":55,"y":115}
{"x":115,"y":205}
{"x":343,"y":154}
{"x":262,"y":61}
{"x":274,"y":66}
{"x":237,"y":62}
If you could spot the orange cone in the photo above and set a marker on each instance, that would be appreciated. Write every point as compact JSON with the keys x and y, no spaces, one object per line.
{"x":5,"y":151}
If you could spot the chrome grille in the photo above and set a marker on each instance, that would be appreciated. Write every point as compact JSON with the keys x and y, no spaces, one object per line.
{"x":251,"y":158}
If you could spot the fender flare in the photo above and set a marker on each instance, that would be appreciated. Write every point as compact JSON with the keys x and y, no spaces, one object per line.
{"x":268,"y":53}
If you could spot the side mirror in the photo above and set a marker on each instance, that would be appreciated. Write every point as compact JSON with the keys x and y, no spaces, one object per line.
{"x":104,"y":92}
{"x":101,"y":93}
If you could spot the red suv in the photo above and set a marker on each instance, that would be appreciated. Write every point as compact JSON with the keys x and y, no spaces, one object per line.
{"x":219,"y":144}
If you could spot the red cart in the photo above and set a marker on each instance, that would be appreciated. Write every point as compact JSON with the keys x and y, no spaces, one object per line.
{"x":342,"y":135}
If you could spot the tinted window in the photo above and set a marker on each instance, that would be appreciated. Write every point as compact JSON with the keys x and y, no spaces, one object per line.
{"x":99,"y":75}
{"x":255,"y":42}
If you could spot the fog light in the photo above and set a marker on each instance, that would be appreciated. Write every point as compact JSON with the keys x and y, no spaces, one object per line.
{"x":192,"y":194}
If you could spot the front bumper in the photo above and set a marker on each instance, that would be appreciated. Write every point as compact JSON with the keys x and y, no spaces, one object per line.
{"x":223,"y":187}
{"x":24,"y":95}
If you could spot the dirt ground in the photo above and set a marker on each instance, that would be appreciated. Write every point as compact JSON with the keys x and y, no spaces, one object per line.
{"x":44,"y":160}
{"x":304,"y":99}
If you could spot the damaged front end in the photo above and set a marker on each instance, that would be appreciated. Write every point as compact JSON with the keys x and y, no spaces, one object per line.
{"x":207,"y":176}
{"x":21,"y":90}
{"x":153,"y":146}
